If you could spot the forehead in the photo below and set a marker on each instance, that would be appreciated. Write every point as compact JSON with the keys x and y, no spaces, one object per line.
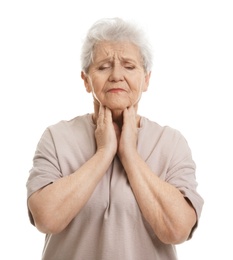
{"x":116,"y":50}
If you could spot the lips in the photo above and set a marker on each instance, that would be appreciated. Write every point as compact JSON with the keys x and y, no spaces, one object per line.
{"x":116,"y":90}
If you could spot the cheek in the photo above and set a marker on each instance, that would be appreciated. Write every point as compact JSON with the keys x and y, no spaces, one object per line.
{"x":97,"y":88}
{"x":138,"y":85}
{"x":97,"y":83}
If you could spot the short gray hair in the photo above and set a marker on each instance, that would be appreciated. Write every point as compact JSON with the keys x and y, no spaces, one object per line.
{"x":115,"y":29}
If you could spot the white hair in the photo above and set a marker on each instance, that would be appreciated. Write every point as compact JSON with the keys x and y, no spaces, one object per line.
{"x":115,"y":30}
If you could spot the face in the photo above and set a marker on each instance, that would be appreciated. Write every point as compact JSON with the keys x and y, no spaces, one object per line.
{"x":116,"y":78}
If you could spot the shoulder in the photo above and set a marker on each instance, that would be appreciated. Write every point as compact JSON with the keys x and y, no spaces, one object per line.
{"x":165,"y":137}
{"x":74,"y":125}
{"x":66,"y":129}
{"x":153,"y":128}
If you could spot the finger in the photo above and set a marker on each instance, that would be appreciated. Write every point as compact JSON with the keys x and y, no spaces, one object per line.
{"x":131,"y":110}
{"x":101,"y":114}
{"x":108,"y":114}
{"x":117,"y":131}
{"x":129,"y":115}
{"x":127,"y":112}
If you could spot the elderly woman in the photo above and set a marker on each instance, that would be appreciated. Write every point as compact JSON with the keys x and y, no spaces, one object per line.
{"x":113,"y":185}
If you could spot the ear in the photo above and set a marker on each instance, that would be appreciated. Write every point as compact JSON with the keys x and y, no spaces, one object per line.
{"x":86,"y":81}
{"x":147,"y":80}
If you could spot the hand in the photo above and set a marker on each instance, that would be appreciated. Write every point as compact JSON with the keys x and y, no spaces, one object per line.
{"x":105,"y":133}
{"x":127,"y":143}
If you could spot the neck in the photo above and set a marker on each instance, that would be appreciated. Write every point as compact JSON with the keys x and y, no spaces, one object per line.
{"x":117,"y":116}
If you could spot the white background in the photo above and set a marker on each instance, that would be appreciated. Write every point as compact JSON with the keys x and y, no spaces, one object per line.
{"x":190,"y":90}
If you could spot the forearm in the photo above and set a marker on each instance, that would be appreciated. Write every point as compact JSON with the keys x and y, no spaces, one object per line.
{"x":54,"y":206}
{"x":163,"y":206}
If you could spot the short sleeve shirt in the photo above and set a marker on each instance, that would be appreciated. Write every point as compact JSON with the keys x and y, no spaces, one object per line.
{"x":111,"y":225}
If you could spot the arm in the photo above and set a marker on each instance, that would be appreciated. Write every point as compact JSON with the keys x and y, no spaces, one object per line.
{"x":54,"y":206}
{"x":163,"y":206}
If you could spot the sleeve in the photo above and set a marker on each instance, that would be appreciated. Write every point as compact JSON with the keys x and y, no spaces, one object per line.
{"x":45,"y":169}
{"x":182,"y":175}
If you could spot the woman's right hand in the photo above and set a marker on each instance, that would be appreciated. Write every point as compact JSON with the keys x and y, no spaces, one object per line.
{"x":105,"y":133}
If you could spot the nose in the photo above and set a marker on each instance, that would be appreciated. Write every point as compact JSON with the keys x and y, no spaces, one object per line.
{"x":117,"y":73}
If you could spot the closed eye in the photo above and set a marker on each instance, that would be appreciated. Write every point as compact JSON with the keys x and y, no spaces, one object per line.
{"x":105,"y":66}
{"x":129,"y":67}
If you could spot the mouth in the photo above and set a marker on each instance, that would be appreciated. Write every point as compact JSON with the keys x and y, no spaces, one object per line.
{"x":116,"y":90}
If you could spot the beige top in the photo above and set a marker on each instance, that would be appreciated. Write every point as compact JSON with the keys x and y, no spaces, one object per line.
{"x":110,"y":226}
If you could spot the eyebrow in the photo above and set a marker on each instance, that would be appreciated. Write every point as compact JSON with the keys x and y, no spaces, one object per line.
{"x":110,"y":59}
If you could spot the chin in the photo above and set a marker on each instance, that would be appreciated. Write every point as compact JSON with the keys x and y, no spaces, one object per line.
{"x":114,"y":105}
{"x":117,"y":108}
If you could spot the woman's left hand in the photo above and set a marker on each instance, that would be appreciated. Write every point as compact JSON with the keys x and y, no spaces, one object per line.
{"x":127,"y":141}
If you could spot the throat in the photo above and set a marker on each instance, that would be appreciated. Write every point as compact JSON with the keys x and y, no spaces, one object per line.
{"x":117,"y":117}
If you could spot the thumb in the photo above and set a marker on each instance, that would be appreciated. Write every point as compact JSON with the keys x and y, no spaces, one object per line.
{"x":117,"y":131}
